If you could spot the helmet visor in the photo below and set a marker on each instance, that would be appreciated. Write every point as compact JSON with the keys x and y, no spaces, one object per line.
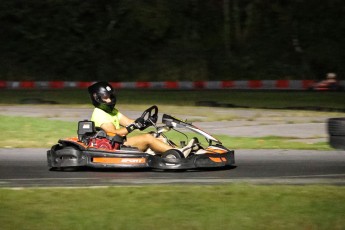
{"x":107,"y":97}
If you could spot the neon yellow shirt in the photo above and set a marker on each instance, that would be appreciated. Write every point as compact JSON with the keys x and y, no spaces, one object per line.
{"x":100,"y":117}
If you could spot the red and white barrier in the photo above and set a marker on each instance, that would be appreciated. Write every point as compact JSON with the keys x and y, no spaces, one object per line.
{"x":174,"y":85}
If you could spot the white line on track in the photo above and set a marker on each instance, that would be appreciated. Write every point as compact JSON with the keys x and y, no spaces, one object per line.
{"x":320,"y":175}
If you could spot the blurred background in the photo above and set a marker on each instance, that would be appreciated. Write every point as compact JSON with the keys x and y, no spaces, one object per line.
{"x":156,"y":40}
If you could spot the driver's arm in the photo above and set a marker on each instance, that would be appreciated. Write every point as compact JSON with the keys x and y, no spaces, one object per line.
{"x":125,"y":121}
{"x":110,"y":128}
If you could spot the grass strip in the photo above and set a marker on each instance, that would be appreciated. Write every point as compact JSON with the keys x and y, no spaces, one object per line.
{"x":237,"y":98}
{"x":30,"y":132}
{"x":234,"y":206}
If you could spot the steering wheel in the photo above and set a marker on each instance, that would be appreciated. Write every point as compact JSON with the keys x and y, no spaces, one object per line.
{"x":150,"y":116}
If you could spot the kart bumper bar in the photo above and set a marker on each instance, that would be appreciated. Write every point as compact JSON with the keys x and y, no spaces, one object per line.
{"x":196,"y":161}
{"x":71,"y":157}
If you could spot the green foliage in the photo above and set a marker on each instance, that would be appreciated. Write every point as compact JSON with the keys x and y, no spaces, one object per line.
{"x":170,"y":40}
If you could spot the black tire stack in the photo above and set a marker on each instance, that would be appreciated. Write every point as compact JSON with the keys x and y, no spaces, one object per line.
{"x":336,"y":131}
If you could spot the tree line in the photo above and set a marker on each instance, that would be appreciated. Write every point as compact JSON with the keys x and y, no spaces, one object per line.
{"x":155,"y":40}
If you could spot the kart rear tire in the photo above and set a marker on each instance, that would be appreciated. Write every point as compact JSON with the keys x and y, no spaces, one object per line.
{"x":173,"y":153}
{"x":336,"y":126}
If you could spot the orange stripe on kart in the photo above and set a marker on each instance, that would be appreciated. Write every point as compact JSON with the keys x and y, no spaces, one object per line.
{"x":110,"y":160}
{"x":218,"y":159}
{"x":75,"y":139}
{"x":213,"y":150}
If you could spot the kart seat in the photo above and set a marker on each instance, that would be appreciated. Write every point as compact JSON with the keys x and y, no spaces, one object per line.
{"x":100,"y":133}
{"x":87,"y":130}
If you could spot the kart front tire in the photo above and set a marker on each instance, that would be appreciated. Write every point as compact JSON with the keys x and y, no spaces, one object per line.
{"x":173,"y":154}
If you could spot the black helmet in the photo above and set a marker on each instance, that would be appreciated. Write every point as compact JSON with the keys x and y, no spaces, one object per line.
{"x":101,"y":90}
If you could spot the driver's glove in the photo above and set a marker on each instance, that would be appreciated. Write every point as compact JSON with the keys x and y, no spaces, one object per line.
{"x":139,"y":123}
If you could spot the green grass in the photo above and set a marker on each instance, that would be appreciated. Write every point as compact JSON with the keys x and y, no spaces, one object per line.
{"x":37,"y":132}
{"x":29,"y":132}
{"x":254,"y":99}
{"x":268,"y":142}
{"x":22,"y":132}
{"x":233,"y":206}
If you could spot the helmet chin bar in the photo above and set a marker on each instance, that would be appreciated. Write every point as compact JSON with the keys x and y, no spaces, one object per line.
{"x":107,"y":107}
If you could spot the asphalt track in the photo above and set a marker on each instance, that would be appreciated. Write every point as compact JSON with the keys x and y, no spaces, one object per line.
{"x":28,"y":168}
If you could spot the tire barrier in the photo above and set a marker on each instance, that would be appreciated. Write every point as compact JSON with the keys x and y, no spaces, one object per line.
{"x":174,"y":85}
{"x":336,"y":131}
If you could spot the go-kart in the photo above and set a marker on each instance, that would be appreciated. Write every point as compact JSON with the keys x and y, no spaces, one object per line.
{"x":95,"y":148}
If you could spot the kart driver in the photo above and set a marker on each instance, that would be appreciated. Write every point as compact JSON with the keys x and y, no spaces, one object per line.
{"x":107,"y":117}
